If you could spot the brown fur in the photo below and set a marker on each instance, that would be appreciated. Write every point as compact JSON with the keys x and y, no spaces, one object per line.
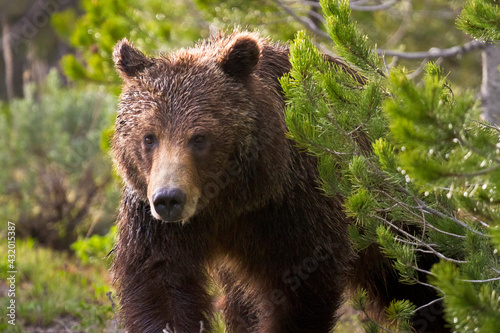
{"x":253,"y":212}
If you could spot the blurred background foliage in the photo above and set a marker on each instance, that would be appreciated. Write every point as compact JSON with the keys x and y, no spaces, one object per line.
{"x":58,"y":96}
{"x":152,"y":25}
{"x":57,"y":180}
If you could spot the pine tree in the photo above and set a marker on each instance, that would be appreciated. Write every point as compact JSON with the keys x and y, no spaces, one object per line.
{"x":405,"y":153}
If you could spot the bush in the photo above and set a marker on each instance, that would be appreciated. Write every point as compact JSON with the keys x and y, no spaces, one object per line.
{"x":96,"y":248}
{"x":56,"y":180}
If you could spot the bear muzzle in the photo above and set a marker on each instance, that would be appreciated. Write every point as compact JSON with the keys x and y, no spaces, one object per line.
{"x":168,"y":204}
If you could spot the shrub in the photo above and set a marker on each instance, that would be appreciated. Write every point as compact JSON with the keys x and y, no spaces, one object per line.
{"x":56,"y":179}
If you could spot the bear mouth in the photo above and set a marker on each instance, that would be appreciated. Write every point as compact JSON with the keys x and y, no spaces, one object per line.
{"x":182,"y":219}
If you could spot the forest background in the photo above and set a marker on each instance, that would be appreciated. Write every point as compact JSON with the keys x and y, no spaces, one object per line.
{"x":58,"y":101}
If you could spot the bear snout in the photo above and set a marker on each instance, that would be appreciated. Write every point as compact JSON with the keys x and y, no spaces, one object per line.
{"x":169,"y":203}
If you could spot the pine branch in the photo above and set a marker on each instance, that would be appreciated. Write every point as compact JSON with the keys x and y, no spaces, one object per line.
{"x":463,"y":141}
{"x":375,"y":323}
{"x":440,"y":255}
{"x":407,"y":207}
{"x":356,"y":7}
{"x":316,"y":15}
{"x":496,"y":128}
{"x":439,"y":214}
{"x":436,"y":52}
{"x":349,"y":40}
{"x":473,"y":174}
{"x":420,"y":68}
{"x":328,"y":150}
{"x":484,"y":224}
{"x":483,"y":281}
{"x":373,"y":8}
{"x":305,"y":21}
{"x":420,"y":269}
{"x":430,"y":286}
{"x":479,"y":18}
{"x":428,"y":304}
{"x":415,"y":244}
{"x":431,"y":54}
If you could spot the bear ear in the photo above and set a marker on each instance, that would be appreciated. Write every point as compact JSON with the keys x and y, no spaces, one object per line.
{"x":128,"y":60}
{"x":241,"y":56}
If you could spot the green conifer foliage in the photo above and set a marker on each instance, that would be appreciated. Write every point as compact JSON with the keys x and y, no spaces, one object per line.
{"x":481,"y":19}
{"x":152,"y":25}
{"x":405,"y":156}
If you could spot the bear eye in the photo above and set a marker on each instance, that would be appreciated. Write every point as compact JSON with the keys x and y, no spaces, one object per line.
{"x":198,"y":141}
{"x":149,"y":140}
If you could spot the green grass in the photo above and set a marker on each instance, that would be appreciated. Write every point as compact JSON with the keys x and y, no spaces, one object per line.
{"x":54,"y":289}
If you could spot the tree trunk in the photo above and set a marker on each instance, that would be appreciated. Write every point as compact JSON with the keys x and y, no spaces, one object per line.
{"x":490,"y":88}
{"x":8,"y":58}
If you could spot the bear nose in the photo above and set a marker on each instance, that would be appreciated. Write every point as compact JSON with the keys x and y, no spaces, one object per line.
{"x":169,"y":203}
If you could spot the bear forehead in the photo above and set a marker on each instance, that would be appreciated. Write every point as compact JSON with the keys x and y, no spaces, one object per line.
{"x":176,"y":89}
{"x":202,"y":60}
{"x":140,"y":113}
{"x":180,"y":76}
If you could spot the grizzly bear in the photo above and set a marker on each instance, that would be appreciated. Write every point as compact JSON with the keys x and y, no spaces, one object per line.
{"x":215,"y":189}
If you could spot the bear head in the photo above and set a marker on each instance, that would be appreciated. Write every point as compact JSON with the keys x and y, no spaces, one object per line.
{"x":183,"y":118}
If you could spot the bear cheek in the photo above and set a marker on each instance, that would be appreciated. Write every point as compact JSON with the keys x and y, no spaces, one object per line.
{"x":129,"y":165}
